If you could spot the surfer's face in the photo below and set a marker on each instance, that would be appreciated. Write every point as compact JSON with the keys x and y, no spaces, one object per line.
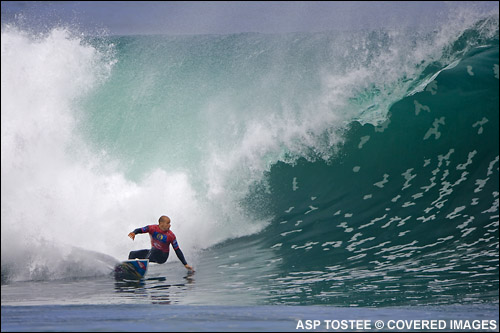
{"x":164,"y":225}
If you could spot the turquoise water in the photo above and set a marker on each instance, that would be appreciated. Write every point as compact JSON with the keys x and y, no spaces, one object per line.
{"x":330,"y":170}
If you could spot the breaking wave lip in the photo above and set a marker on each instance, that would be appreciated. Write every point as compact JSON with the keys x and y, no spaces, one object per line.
{"x":39,"y":142}
{"x":426,"y":208}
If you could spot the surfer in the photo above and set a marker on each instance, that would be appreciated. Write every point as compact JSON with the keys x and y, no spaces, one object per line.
{"x":161,"y":238}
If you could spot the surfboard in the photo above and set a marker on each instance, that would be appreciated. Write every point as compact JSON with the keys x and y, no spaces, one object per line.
{"x":131,"y":269}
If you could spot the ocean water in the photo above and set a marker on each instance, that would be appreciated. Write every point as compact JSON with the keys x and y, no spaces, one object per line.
{"x":337,"y":175}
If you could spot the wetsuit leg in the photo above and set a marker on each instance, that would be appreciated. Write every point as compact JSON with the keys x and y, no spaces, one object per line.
{"x":140,"y":254}
{"x":158,"y":256}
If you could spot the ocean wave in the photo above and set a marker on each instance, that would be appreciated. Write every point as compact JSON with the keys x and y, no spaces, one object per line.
{"x":365,"y":154}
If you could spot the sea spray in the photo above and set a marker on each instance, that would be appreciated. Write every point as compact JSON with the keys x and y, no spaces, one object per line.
{"x":103,"y":135}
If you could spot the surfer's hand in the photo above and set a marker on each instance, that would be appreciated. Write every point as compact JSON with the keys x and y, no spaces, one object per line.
{"x":131,"y":235}
{"x":189,"y":267}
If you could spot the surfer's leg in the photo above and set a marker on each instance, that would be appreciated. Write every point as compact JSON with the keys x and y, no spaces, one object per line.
{"x":140,"y":254}
{"x":158,"y":256}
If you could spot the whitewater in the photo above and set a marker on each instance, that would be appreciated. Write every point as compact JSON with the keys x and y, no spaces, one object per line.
{"x":334,"y":169}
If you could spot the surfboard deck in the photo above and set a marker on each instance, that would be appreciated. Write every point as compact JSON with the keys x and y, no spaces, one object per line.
{"x":134,"y":269}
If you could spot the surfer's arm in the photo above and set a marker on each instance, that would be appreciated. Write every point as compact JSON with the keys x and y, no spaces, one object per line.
{"x":180,"y":255}
{"x":137,"y":231}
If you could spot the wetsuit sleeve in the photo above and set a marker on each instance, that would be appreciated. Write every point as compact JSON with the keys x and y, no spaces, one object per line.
{"x":142,"y":230}
{"x":180,"y":255}
{"x":178,"y":252}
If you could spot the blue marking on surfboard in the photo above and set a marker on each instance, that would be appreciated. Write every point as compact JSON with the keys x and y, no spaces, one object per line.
{"x":131,"y":269}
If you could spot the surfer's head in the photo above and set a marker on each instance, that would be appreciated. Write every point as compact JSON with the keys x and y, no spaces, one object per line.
{"x":164,"y":222}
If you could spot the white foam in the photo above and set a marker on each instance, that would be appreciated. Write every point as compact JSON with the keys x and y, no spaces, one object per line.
{"x":55,"y":190}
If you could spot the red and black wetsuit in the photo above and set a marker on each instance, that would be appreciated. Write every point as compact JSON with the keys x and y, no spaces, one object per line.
{"x":160,"y":245}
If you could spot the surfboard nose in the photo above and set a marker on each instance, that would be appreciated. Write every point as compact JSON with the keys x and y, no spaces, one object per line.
{"x":131,"y":269}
